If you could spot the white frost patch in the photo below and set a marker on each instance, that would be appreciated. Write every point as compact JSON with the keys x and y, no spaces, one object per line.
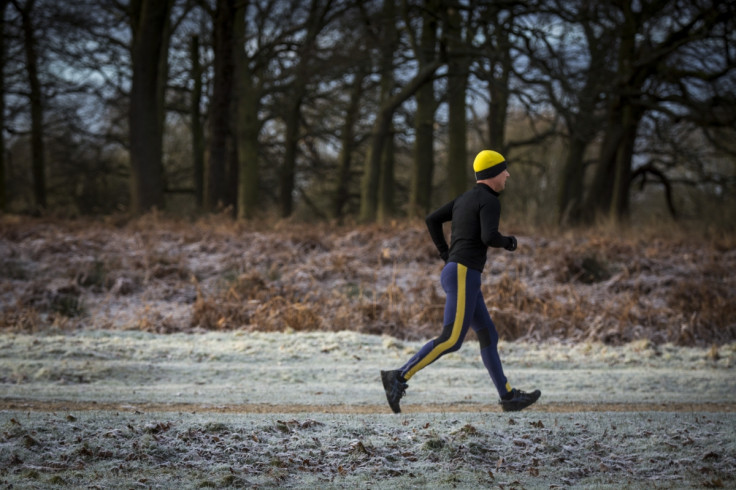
{"x":339,"y":368}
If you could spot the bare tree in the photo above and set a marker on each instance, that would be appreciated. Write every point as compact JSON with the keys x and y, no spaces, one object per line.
{"x":426,"y":52}
{"x":195,"y":116}
{"x":650,"y":36}
{"x":582,"y":117}
{"x":573,"y":77}
{"x":296,"y":92}
{"x":149,"y":24}
{"x":495,"y":66}
{"x":35,"y":97}
{"x":389,"y":103}
{"x":222,"y":144}
{"x":347,"y":141}
{"x":3,"y":198}
{"x":457,"y":87}
{"x":387,"y":41}
{"x":250,"y":90}
{"x":317,"y":19}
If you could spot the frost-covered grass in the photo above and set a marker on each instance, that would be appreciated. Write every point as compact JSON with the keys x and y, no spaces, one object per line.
{"x":335,"y":368}
{"x":439,"y":450}
{"x":329,"y":426}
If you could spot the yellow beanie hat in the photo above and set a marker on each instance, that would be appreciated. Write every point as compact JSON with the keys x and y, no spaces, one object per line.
{"x":488,"y":164}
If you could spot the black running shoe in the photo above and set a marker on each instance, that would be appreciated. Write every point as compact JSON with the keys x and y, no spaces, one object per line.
{"x":520,"y":400}
{"x":395,"y":387}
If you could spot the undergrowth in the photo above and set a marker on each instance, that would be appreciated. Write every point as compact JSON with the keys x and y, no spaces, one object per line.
{"x":594,"y":285}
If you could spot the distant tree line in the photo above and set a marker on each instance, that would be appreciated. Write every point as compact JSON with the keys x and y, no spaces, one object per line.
{"x":370,"y":109}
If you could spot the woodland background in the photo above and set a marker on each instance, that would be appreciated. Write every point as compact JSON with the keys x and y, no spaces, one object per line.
{"x":369,"y":110}
{"x":210,"y":226}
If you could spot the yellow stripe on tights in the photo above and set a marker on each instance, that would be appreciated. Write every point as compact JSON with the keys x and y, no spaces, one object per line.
{"x":457,"y":327}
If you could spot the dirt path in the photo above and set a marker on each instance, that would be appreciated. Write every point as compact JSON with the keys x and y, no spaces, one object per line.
{"x":262,"y":408}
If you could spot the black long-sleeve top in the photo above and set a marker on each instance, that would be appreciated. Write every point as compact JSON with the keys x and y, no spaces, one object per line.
{"x":475,"y":216}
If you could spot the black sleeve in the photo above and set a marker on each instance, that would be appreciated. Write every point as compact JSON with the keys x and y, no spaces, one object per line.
{"x":490,"y":214}
{"x":434,"y":225}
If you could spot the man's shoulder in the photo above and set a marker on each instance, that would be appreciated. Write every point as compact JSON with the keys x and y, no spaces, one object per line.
{"x":474,"y":200}
{"x":466,"y":197}
{"x":482,"y":194}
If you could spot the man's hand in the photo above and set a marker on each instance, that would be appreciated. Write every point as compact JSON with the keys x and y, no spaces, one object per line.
{"x":511,"y":245}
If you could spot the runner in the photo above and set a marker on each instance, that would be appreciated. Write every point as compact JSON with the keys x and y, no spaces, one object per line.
{"x":475,"y":218}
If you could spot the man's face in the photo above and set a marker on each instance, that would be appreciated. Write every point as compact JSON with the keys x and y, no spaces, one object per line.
{"x":498,"y":183}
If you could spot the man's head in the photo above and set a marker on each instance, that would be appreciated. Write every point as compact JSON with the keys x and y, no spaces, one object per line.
{"x":491,"y":169}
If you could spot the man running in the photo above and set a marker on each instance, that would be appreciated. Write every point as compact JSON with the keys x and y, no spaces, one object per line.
{"x":475,"y":217}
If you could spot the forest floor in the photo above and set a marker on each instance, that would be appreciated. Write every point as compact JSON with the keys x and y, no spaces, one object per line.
{"x":160,"y":354}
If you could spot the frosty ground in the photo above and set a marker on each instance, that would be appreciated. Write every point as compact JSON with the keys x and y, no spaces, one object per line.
{"x":125,"y":409}
{"x":153,"y":353}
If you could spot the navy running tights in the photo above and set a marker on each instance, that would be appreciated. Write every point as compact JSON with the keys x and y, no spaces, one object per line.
{"x":464,"y":307}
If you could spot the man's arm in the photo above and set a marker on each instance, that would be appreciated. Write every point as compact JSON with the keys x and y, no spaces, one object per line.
{"x":434,"y":225}
{"x":490,"y":215}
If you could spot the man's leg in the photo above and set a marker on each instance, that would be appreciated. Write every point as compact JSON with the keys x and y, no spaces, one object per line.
{"x":487,"y":334}
{"x":461,"y":286}
{"x":512,"y":399}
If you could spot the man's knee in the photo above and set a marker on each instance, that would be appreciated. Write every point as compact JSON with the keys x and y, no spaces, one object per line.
{"x":445,"y":336}
{"x":484,"y":338}
{"x":487,"y":337}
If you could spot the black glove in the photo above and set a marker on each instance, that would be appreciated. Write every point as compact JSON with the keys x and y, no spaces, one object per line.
{"x":511,"y":246}
{"x":445,"y":255}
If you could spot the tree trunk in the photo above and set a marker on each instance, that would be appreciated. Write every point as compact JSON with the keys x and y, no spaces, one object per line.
{"x":457,"y":148}
{"x":457,"y":81}
{"x":380,"y":134}
{"x":497,"y":113}
{"x":386,"y":187}
{"x":247,"y":125}
{"x":197,"y":130}
{"x":372,"y":172}
{"x":149,"y":25}
{"x":249,"y":174}
{"x":582,"y":126}
{"x":163,"y":78}
{"x":422,"y":173}
{"x":570,"y":194}
{"x":619,"y":207}
{"x":420,"y":192}
{"x":232,"y":158}
{"x":297,"y":92}
{"x":385,"y":177}
{"x":288,"y":170}
{"x":38,"y":152}
{"x":3,"y":197}
{"x":372,"y":169}
{"x":608,"y":195}
{"x":498,"y":89}
{"x":599,"y":194}
{"x":220,"y":113}
{"x":347,"y":140}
